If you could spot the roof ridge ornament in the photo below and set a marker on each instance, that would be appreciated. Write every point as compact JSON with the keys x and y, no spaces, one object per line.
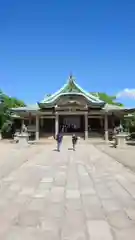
{"x":71,"y":78}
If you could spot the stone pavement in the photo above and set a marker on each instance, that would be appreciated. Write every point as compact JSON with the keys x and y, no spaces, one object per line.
{"x":123,"y":154}
{"x":82,"y":195}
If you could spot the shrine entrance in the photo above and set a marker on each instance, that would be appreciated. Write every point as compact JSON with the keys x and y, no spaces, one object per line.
{"x":71,"y":123}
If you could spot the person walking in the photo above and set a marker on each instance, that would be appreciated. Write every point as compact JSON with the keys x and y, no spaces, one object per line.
{"x":59,"y":139}
{"x":74,"y":141}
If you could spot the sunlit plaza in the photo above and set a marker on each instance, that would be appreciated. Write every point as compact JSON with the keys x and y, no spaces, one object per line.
{"x":86,"y":194}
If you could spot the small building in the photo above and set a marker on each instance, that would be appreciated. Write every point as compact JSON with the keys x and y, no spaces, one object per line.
{"x":71,"y":109}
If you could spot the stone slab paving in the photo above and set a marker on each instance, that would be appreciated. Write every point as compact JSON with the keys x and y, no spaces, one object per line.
{"x":81,"y":195}
{"x":124,"y":154}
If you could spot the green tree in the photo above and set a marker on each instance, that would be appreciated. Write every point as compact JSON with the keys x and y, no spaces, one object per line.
{"x":107,"y":98}
{"x":6,"y":103}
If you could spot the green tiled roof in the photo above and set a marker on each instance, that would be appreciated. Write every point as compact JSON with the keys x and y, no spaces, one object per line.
{"x":34,"y":107}
{"x":13,"y":115}
{"x":71,"y":88}
{"x":109,"y":107}
{"x":115,"y":108}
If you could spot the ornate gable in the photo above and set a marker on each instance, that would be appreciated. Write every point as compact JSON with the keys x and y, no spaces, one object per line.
{"x":71,"y":100}
{"x":71,"y":87}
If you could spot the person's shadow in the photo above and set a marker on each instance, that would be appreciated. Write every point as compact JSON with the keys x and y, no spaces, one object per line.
{"x":55,"y":150}
{"x":70,"y":149}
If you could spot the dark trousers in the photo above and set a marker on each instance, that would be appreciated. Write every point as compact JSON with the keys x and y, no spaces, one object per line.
{"x":74,"y":145}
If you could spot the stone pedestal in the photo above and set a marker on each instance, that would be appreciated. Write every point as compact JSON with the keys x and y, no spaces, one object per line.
{"x":21,"y":138}
{"x":106,"y":135}
{"x":121,"y":139}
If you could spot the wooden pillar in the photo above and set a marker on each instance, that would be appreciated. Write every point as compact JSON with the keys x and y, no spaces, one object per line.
{"x":30,"y":117}
{"x":86,"y":125}
{"x":101,"y":125}
{"x":106,"y":127}
{"x":42,"y":122}
{"x":56,"y":124}
{"x":22,"y":124}
{"x":112,"y":118}
{"x":101,"y":122}
{"x":37,"y":127}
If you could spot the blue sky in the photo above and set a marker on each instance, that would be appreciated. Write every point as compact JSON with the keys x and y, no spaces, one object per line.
{"x":42,"y":41}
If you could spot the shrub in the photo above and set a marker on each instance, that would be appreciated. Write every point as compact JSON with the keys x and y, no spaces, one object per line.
{"x":7,"y":129}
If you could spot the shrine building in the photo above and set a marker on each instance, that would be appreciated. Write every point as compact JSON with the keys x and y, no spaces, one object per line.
{"x":70,"y":109}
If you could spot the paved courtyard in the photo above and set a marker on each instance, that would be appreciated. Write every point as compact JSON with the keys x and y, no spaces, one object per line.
{"x":82,"y":195}
{"x":124,"y":154}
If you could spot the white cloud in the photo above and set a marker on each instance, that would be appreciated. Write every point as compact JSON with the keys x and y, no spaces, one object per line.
{"x":126,"y":93}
